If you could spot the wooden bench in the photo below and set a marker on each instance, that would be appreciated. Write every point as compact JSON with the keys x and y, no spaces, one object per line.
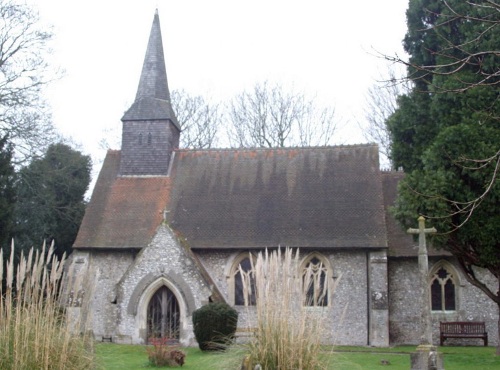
{"x":463,"y":329}
{"x":244,"y":333}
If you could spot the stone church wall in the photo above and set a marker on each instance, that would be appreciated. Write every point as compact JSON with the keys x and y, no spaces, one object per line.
{"x":121,"y":283}
{"x":163,"y":262}
{"x":345,"y":321}
{"x":102,"y":270}
{"x":404,"y":310}
{"x":350,"y":319}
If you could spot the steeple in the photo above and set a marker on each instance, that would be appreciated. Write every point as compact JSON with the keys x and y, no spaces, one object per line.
{"x":150,"y":129}
{"x":152,"y":100}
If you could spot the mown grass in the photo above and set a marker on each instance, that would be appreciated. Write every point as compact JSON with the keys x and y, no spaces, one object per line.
{"x":128,"y":357}
{"x":455,"y":358}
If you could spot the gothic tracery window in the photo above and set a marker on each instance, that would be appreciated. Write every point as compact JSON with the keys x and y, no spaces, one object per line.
{"x":443,"y":289}
{"x":244,"y":283}
{"x":315,"y":279}
{"x":163,"y":317}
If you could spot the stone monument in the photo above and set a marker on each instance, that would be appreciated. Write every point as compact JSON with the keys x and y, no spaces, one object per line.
{"x":426,"y":356}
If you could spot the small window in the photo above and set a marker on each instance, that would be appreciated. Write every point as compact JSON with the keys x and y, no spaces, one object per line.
{"x":315,"y":280}
{"x":150,"y":138}
{"x":140,"y":138}
{"x":244,"y":284}
{"x":443,"y":292}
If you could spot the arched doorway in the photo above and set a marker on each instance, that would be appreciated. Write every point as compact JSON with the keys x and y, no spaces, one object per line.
{"x":163,"y":318}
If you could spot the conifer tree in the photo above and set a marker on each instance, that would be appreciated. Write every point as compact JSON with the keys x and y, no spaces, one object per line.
{"x":446,"y":131}
{"x":51,"y":202}
{"x":7,"y":193}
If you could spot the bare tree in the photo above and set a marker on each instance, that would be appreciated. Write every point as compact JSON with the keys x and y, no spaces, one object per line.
{"x":199,"y":120}
{"x":23,"y":73}
{"x":269,"y":116}
{"x":381,"y":103}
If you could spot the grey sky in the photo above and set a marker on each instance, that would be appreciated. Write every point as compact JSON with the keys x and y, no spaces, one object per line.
{"x":216,"y":48}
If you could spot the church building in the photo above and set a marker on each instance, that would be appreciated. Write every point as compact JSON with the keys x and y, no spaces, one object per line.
{"x":166,"y":229}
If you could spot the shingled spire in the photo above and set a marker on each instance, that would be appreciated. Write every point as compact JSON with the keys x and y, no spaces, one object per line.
{"x":150,"y":128}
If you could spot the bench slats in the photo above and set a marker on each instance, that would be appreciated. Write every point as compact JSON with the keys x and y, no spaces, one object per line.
{"x":463,"y":329}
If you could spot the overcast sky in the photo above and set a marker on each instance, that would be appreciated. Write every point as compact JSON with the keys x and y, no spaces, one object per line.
{"x":216,"y":48}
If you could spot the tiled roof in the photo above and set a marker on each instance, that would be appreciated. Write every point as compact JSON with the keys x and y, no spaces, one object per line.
{"x":310,"y":197}
{"x":401,"y":244}
{"x":331,"y":197}
{"x":124,"y":212}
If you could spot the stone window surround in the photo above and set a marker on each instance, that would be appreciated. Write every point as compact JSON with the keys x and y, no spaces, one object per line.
{"x":145,"y":298}
{"x":330,"y":280}
{"x":236,"y":258}
{"x":455,"y":279}
{"x":232,"y":270}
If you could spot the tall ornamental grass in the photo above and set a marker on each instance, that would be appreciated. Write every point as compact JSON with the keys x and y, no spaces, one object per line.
{"x":288,"y":333}
{"x":34,"y":333}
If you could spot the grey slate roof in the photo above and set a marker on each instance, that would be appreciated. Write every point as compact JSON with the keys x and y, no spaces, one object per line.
{"x":309,"y":197}
{"x":400,"y":243}
{"x":124,"y":212}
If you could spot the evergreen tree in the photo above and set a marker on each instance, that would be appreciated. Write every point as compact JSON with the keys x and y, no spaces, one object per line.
{"x":446,"y":93}
{"x":7,"y":193}
{"x":51,"y":201}
{"x":446,"y":131}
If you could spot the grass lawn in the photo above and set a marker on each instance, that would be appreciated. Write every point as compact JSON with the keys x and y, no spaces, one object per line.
{"x":128,"y":357}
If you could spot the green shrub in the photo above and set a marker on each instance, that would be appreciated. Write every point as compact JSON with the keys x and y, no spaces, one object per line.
{"x":214,"y":325}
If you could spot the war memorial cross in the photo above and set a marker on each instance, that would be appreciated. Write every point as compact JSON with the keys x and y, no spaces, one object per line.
{"x":426,"y":325}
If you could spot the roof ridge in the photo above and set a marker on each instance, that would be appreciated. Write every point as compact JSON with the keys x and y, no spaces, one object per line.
{"x":324,"y":147}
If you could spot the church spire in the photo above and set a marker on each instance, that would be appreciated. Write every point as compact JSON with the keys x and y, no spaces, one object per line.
{"x":150,"y":131}
{"x":152,"y":100}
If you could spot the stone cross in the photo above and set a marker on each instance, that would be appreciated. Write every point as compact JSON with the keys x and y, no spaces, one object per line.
{"x":426,"y":324}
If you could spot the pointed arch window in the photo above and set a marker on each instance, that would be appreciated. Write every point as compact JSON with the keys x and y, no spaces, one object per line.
{"x":241,"y":283}
{"x":140,"y":138}
{"x":443,"y":285}
{"x":163,"y":315}
{"x":150,"y":138}
{"x":316,"y":273}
